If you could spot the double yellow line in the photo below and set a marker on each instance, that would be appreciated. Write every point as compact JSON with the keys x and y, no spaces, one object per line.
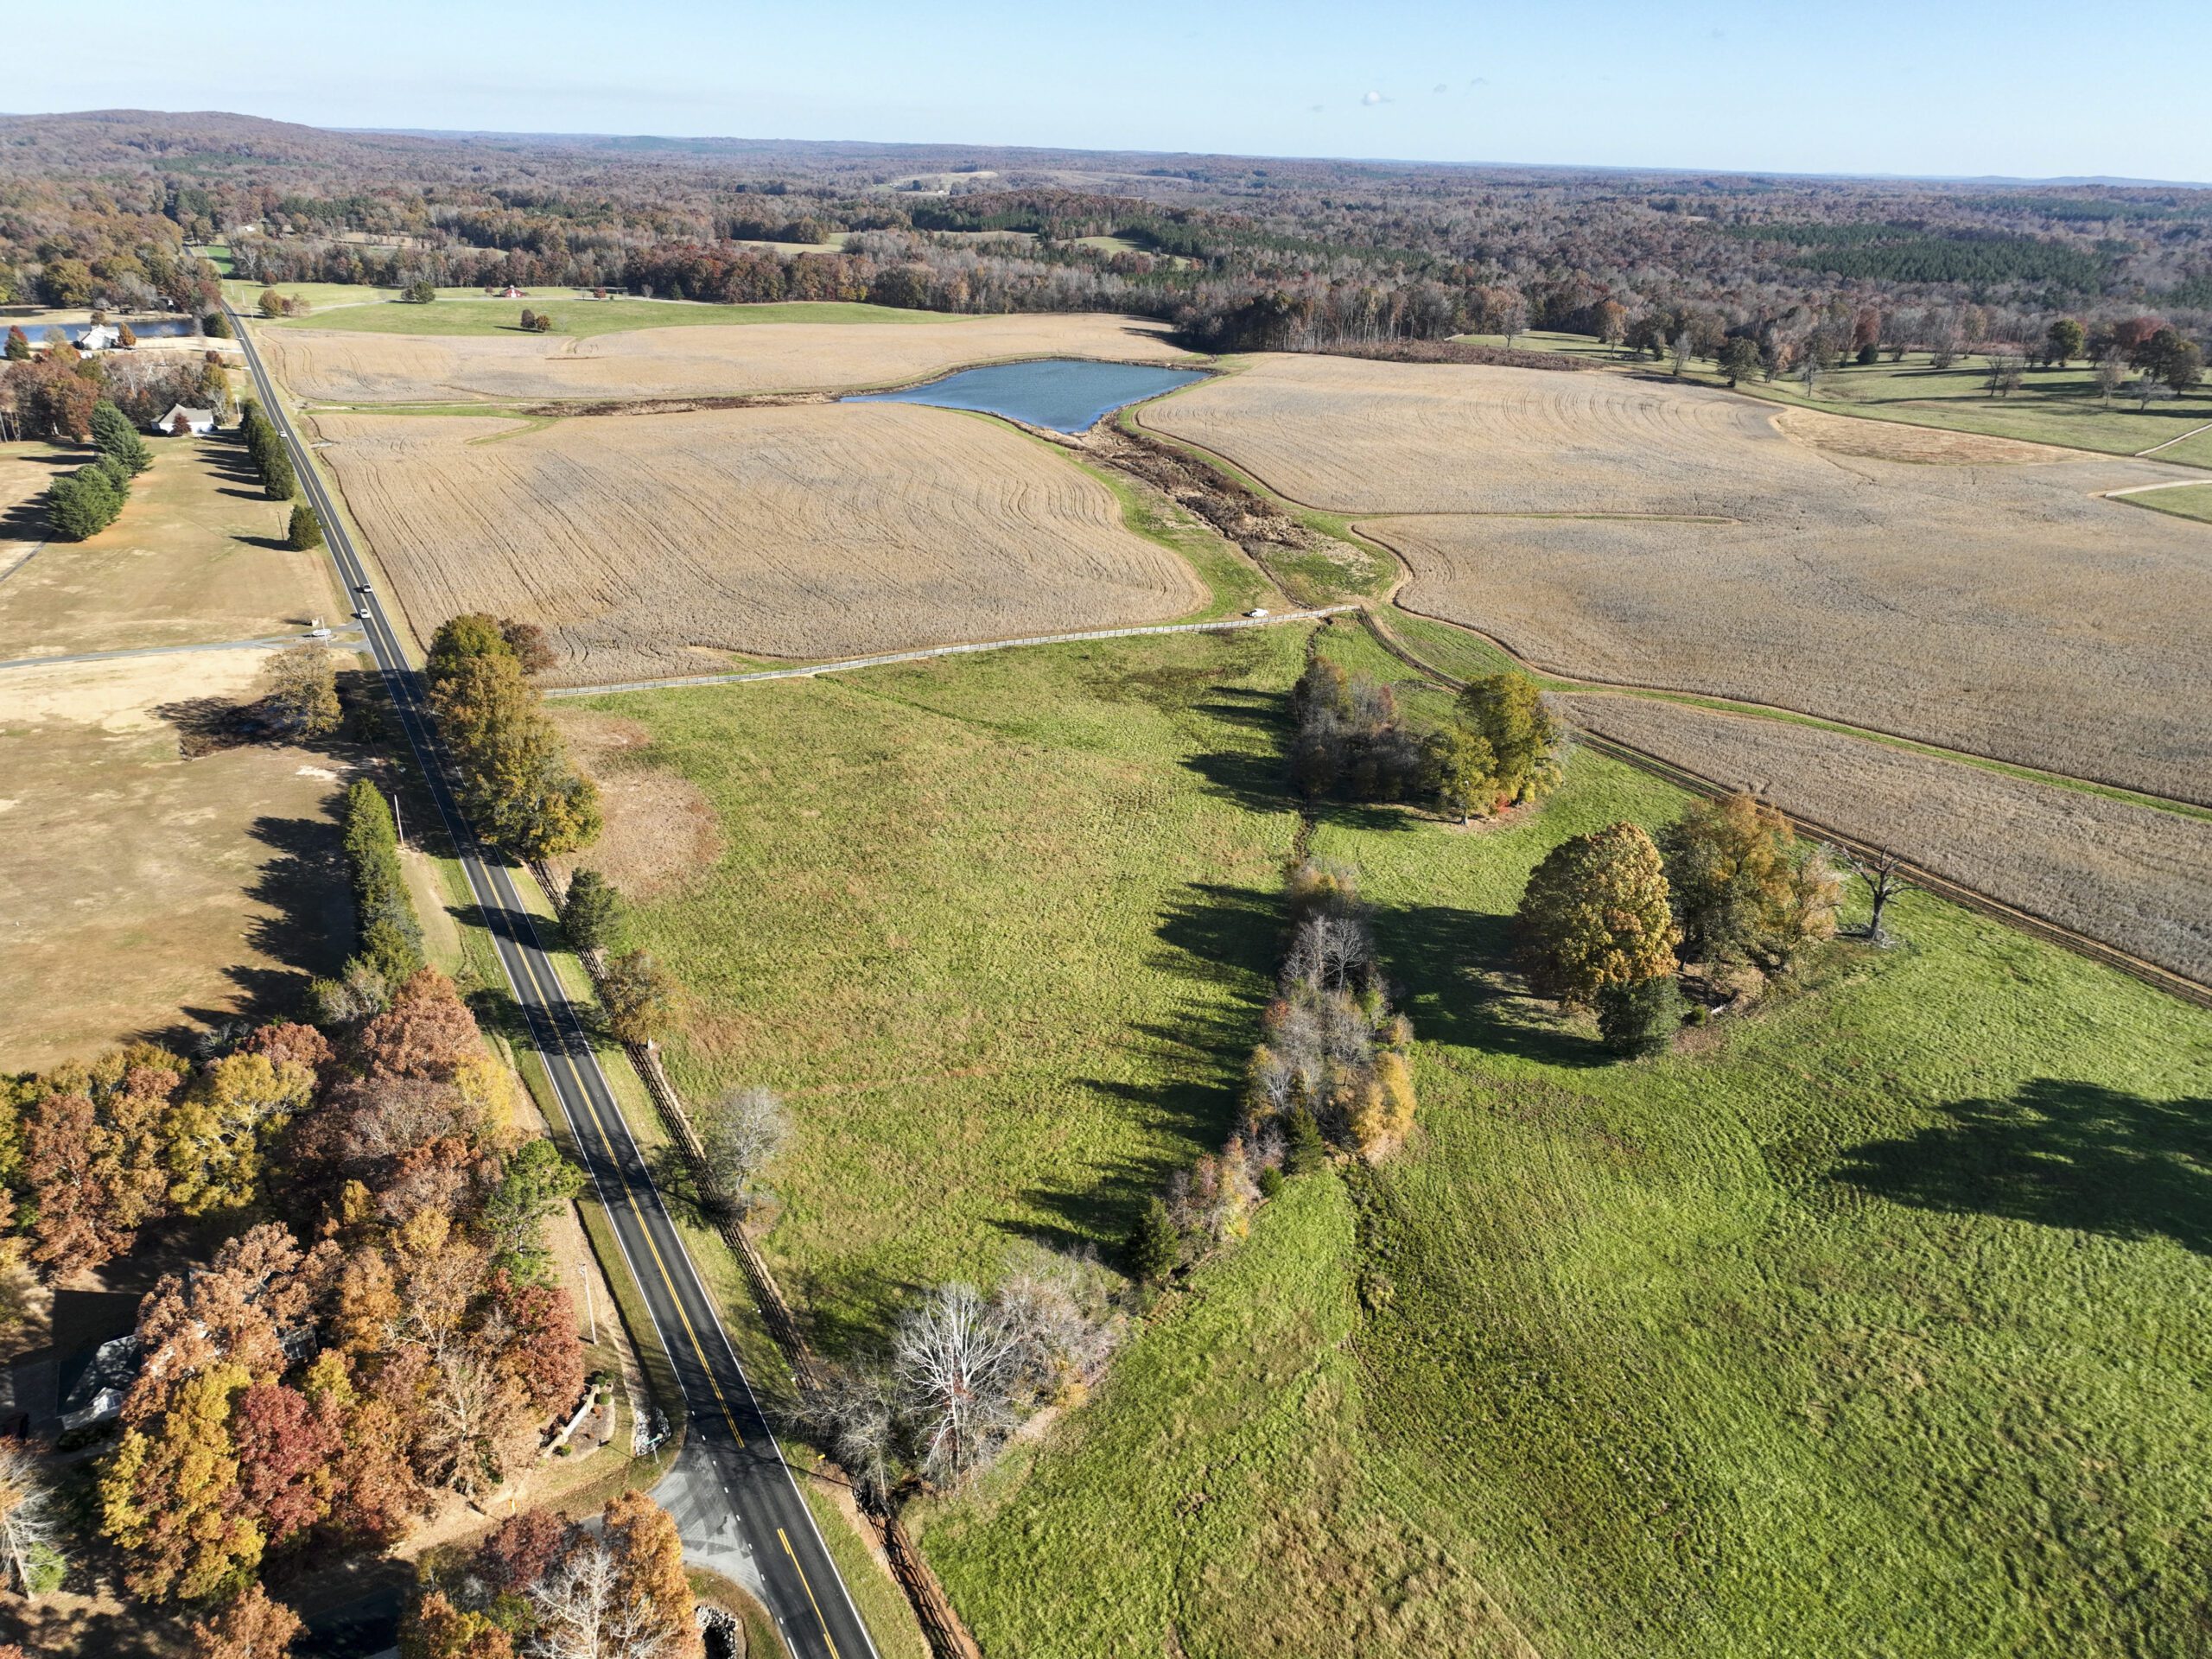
{"x":644,"y":1231}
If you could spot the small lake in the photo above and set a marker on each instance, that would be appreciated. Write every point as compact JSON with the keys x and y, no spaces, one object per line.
{"x":1066,"y":394}
{"x":144,"y":327}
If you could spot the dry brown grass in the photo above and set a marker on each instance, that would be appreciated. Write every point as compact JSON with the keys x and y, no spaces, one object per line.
{"x":660,"y":827}
{"x":651,"y":545}
{"x":708,"y":360}
{"x":141,"y":892}
{"x":2132,"y":876}
{"x":195,"y":558}
{"x":1886,"y":576}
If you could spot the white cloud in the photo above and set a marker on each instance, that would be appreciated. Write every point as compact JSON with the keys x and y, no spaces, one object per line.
{"x":1441,"y":88}
{"x":1372,"y":99}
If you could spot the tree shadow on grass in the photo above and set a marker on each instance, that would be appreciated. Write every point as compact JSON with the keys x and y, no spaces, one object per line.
{"x":2060,"y":1153}
{"x":1457,"y":982}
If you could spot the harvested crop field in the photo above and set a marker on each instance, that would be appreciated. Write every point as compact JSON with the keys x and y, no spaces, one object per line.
{"x":652,"y":545}
{"x":714,"y":361}
{"x":1614,"y":528}
{"x":2132,"y":876}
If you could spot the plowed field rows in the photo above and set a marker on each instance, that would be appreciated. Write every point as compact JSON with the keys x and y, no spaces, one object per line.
{"x":695,"y":362}
{"x":1988,"y":604}
{"x":650,"y":545}
{"x":2129,"y":875}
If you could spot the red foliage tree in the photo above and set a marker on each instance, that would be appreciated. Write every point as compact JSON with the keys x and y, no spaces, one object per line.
{"x":427,"y":1032}
{"x":284,"y":1452}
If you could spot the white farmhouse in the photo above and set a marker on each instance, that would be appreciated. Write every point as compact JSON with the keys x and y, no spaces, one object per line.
{"x":198,"y":422}
{"x":100,"y":337}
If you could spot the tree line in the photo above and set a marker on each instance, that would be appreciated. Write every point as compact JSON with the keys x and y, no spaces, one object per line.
{"x":517,"y":783}
{"x":82,"y":504}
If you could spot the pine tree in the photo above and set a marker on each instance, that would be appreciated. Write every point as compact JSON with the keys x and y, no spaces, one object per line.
{"x":277,"y":481}
{"x":305,"y":532}
{"x":116,"y":438}
{"x":82,"y":504}
{"x":592,"y":911}
{"x":1154,"y":1247}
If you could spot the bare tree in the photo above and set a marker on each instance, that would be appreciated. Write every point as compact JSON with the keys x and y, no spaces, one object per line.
{"x":1679,"y":352}
{"x":586,"y":1609}
{"x":955,"y":1363}
{"x":1883,"y":874}
{"x":740,"y":1134}
{"x":27,"y":1524}
{"x":1331,"y":950}
{"x":852,"y":1412}
{"x":2112,"y":374}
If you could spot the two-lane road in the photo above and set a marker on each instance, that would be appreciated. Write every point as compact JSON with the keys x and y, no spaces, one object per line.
{"x":766,"y":1516}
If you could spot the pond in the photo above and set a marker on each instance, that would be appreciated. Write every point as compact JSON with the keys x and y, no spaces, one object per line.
{"x":145,"y":328}
{"x":1066,"y":394}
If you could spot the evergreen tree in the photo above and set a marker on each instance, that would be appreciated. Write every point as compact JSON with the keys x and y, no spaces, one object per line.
{"x":118,"y":440}
{"x":306,"y":529}
{"x":276,"y":478}
{"x":1639,"y":1017}
{"x":1154,"y":1247}
{"x":82,"y":504}
{"x":19,"y":345}
{"x":592,"y":911}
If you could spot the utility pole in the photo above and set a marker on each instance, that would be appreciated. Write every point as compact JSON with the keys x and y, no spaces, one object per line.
{"x":583,"y":1272}
{"x":398,"y":829}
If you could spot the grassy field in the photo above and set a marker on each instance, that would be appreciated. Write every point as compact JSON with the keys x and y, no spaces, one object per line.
{"x":196,"y":558}
{"x":998,"y":927}
{"x":2193,"y":501}
{"x":1865,"y":1326}
{"x":2059,"y":406}
{"x":142,"y":891}
{"x":574,"y":312}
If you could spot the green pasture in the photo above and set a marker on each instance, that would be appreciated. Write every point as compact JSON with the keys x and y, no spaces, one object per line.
{"x":998,"y":927}
{"x":1867,"y":1324}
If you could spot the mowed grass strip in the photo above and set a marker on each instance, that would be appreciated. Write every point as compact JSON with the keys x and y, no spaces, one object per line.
{"x":1865,"y":1326}
{"x":998,"y":927}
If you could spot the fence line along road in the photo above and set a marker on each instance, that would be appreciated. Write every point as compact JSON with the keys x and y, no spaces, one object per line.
{"x":927,"y":652}
{"x":746,"y":1475}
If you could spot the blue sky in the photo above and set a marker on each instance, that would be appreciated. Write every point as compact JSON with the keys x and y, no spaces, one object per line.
{"x":1938,"y":87}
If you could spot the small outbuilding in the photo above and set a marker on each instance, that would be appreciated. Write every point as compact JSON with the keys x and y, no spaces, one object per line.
{"x":197,"y":422}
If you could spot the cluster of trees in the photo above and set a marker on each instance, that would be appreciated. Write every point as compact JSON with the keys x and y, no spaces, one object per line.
{"x":1501,"y":746}
{"x":86,"y":502}
{"x":964,"y":1368}
{"x":1608,"y":919}
{"x":293,"y":1398}
{"x":1332,"y":1049}
{"x":273,"y":304}
{"x":271,"y":457}
{"x":535,"y":322}
{"x":637,"y":994}
{"x":546,"y":1587}
{"x":387,"y":937}
{"x":518,"y":784}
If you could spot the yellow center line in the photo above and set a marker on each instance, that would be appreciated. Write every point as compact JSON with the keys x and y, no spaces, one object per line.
{"x":816,"y":1605}
{"x":608,"y":1141}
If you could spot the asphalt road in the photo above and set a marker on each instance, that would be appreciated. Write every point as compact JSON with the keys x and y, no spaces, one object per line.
{"x":729,"y":1444}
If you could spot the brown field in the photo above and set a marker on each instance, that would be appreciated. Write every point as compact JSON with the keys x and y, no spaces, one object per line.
{"x":1969,"y":592}
{"x":195,"y":558}
{"x":25,"y":471}
{"x":143,"y":892}
{"x":652,"y":545}
{"x":2131,"y":876}
{"x":710,"y":361}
